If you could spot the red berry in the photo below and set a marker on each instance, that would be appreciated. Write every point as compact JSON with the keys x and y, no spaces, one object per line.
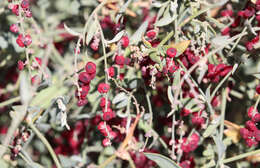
{"x":171,"y":52}
{"x":103,"y":88}
{"x":20,"y":65}
{"x":27,"y":40}
{"x":84,"y":92}
{"x":250,"y":112}
{"x":125,"y":41}
{"x":111,"y":71}
{"x":15,"y":9}
{"x":250,"y":125}
{"x":108,"y":116}
{"x":20,"y":40}
{"x":225,"y":31}
{"x":90,"y":67}
{"x":94,"y":46}
{"x":112,"y":134}
{"x":185,"y":112}
{"x":103,"y":102}
{"x":251,"y":142}
{"x":226,"y":13}
{"x":109,"y":110}
{"x":84,"y":77}
{"x":245,"y":133}
{"x":28,"y":13}
{"x":82,"y":102}
{"x":101,"y":126}
{"x":106,"y":142}
{"x":198,"y":121}
{"x":25,"y":4}
{"x":151,"y":34}
{"x":249,"y":46}
{"x":173,"y":68}
{"x":256,"y":117}
{"x":257,"y":135}
{"x":120,"y":60}
{"x":257,"y":89}
{"x":14,"y":28}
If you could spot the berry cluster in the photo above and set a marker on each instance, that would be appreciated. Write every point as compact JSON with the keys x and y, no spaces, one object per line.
{"x":22,"y":39}
{"x":107,"y":131}
{"x":189,"y":145}
{"x":215,"y":72}
{"x":84,"y":81}
{"x":21,"y":136}
{"x":25,"y":5}
{"x":251,"y":134}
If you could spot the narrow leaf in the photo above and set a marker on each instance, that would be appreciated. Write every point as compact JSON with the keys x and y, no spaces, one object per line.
{"x":91,"y":31}
{"x":137,"y":36}
{"x":161,"y":160}
{"x":119,"y":97}
{"x":25,"y":89}
{"x":117,"y":37}
{"x":70,"y":31}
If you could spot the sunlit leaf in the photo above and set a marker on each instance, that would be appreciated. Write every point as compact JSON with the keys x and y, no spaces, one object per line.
{"x":181,"y":46}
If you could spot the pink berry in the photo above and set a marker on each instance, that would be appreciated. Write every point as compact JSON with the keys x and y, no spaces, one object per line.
{"x":245,"y":133}
{"x":120,"y":60}
{"x":250,"y":112}
{"x":111,"y":71}
{"x":103,"y":102}
{"x":185,"y":112}
{"x":125,"y":41}
{"x":251,"y":142}
{"x":20,"y":40}
{"x":20,"y":65}
{"x":151,"y":34}
{"x":108,"y":116}
{"x":14,"y":28}
{"x":28,"y":13}
{"x":171,"y":52}
{"x":90,"y":67}
{"x":82,"y":102}
{"x":112,"y":134}
{"x":106,"y":142}
{"x":15,"y":9}
{"x":94,"y":46}
{"x":225,"y":31}
{"x":84,"y":77}
{"x":25,"y":4}
{"x":257,"y":135}
{"x":103,"y":88}
{"x":84,"y":92}
{"x":256,"y":117}
{"x":27,"y":40}
{"x":250,"y":125}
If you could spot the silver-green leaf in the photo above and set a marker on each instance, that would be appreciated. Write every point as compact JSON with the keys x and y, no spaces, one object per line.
{"x":161,"y":160}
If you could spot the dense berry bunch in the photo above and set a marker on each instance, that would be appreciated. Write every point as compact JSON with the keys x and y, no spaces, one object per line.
{"x":251,"y":134}
{"x":21,"y":136}
{"x":85,"y":78}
